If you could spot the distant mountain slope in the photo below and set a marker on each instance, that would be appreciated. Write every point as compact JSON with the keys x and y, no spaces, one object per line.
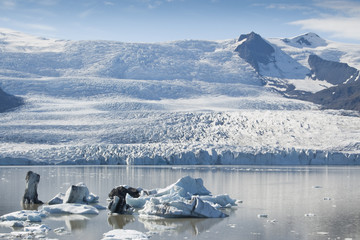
{"x":343,"y":96}
{"x":299,"y":66}
{"x":333,"y":72}
{"x":8,"y":101}
{"x":210,"y":61}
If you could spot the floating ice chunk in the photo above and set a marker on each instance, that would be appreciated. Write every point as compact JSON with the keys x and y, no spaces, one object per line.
{"x":58,"y":199}
{"x":24,"y":215}
{"x":98,"y":207}
{"x":137,"y":202}
{"x":78,"y":193}
{"x":309,"y":215}
{"x":272,"y":221}
{"x":182,"y":208}
{"x":262,"y":215}
{"x":327,"y":198}
{"x":186,"y":198}
{"x":70,"y":208}
{"x":221,"y":200}
{"x":184,"y":186}
{"x":119,"y":234}
{"x":61,"y":231}
{"x":37,"y":229}
{"x":316,"y":186}
{"x":12,"y":224}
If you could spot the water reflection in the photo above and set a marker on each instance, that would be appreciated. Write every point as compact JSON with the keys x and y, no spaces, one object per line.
{"x":118,"y":221}
{"x":193,"y":226}
{"x":73,"y":222}
{"x":28,"y":206}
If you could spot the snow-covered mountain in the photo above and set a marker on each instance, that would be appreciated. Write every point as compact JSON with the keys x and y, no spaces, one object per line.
{"x":237,"y":101}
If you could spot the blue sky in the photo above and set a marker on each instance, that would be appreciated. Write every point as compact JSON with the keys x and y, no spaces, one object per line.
{"x":167,"y":20}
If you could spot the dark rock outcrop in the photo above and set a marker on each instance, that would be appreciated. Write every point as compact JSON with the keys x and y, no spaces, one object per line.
{"x":346,"y":92}
{"x":343,"y":96}
{"x":31,"y":196}
{"x":254,"y":50}
{"x":330,"y":71}
{"x":118,"y":198}
{"x":8,"y":101}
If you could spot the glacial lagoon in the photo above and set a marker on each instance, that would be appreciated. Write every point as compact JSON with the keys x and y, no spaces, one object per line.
{"x":278,"y":202}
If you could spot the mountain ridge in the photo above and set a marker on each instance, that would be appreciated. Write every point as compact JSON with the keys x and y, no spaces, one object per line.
{"x":285,"y":63}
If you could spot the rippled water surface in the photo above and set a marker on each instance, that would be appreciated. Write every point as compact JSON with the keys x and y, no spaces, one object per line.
{"x":300,"y":202}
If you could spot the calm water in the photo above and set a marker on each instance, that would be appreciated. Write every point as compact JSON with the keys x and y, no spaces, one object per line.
{"x":285,"y":194}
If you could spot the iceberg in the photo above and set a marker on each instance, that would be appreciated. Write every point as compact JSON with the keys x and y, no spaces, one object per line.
{"x":24,"y":215}
{"x":180,"y":208}
{"x":187,"y":197}
{"x":78,"y":193}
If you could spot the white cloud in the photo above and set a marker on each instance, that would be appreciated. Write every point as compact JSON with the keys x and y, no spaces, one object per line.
{"x":8,"y":4}
{"x":46,"y":2}
{"x":4,"y":19}
{"x":288,"y":6}
{"x":109,"y":3}
{"x":339,"y":18}
{"x":86,"y":13}
{"x":340,"y":6}
{"x":339,"y":27}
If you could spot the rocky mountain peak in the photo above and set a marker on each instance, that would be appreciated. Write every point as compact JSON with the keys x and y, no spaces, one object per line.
{"x":310,"y":40}
{"x":254,"y":49}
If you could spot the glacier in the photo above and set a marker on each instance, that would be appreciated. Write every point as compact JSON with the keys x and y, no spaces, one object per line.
{"x":181,"y":102}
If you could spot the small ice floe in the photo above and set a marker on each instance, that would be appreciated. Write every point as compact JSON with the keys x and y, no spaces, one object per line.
{"x":262,"y":215}
{"x":327,"y":198}
{"x":61,"y":231}
{"x":70,"y":208}
{"x":322,"y":233}
{"x":58,"y":199}
{"x":195,"y":207}
{"x":31,"y":231}
{"x":24,"y":215}
{"x":272,"y":221}
{"x":309,"y":215}
{"x":12,"y":224}
{"x":119,"y":234}
{"x":223,"y":201}
{"x":186,"y":198}
{"x":77,"y":193}
{"x":37,"y":229}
